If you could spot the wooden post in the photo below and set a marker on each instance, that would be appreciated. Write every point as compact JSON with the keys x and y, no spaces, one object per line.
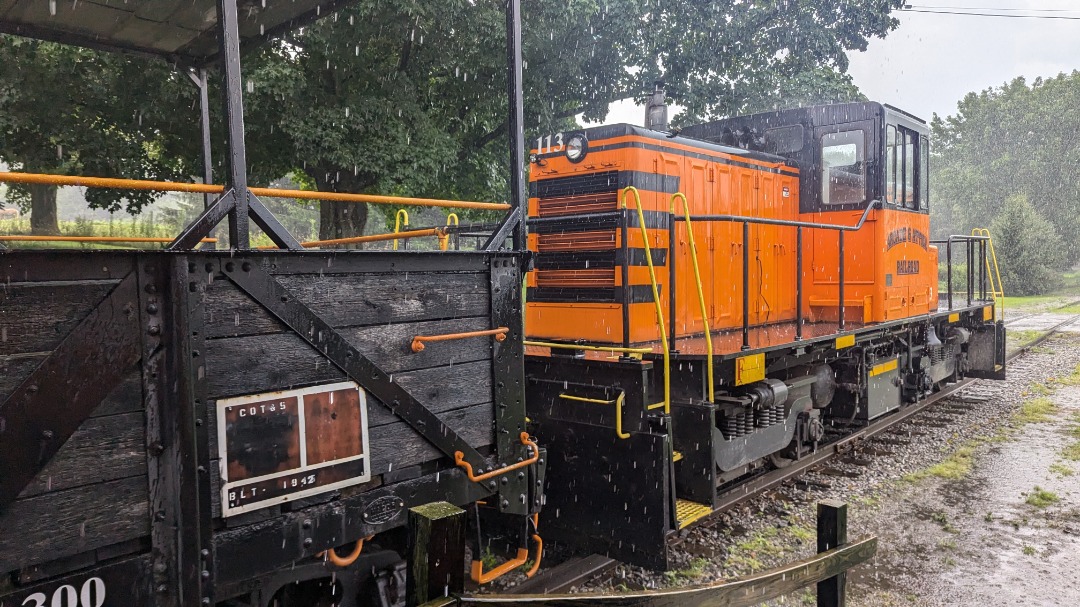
{"x":831,"y":533}
{"x":436,"y":552}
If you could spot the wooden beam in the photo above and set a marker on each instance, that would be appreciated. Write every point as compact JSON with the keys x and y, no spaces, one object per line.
{"x":832,"y":533}
{"x":436,"y":552}
{"x":742,"y":592}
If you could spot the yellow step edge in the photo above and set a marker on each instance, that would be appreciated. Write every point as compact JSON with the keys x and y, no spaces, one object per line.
{"x":686,"y":512}
{"x":676,"y":456}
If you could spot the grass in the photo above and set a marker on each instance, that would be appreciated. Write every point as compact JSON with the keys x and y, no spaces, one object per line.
{"x":1041,"y":498}
{"x":956,"y":466}
{"x":1035,"y":411}
{"x":694,"y":570}
{"x":1061,"y":469}
{"x":1029,"y":550}
{"x":1072,"y":452}
{"x":1072,"y":379}
{"x":750,"y":553}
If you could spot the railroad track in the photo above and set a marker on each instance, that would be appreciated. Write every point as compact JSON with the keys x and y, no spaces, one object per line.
{"x":577,"y":570}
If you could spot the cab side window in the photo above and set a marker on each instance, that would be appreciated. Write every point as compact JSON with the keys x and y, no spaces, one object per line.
{"x":843,"y":167}
{"x":890,"y":164}
{"x":907,"y":197}
{"x":924,"y":174}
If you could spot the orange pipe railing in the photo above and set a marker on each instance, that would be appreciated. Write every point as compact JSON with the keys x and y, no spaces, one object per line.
{"x":459,"y":459}
{"x":418,"y":341}
{"x":18,"y":238}
{"x":202,"y":188}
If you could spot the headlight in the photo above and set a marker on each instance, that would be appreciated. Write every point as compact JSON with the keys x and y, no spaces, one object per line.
{"x":577,"y":147}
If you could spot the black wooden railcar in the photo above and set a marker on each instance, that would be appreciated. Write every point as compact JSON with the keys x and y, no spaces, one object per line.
{"x":116,"y":368}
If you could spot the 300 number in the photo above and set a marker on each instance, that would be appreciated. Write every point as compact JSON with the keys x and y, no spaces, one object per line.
{"x":92,"y":594}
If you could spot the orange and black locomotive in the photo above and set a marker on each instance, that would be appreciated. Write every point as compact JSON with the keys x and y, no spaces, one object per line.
{"x":706,"y":304}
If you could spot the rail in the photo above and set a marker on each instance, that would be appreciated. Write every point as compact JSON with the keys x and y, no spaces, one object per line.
{"x":985,"y":283}
{"x":93,"y":239}
{"x":618,"y":402}
{"x":201,"y":188}
{"x":398,"y":223}
{"x":656,"y":296}
{"x":697,"y":279}
{"x":799,"y":227}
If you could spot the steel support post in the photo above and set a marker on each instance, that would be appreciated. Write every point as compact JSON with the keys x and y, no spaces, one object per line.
{"x":624,"y":246}
{"x":671,"y":278}
{"x":840,"y":302}
{"x":232,"y":94}
{"x":204,"y":120}
{"x":516,"y":121}
{"x":798,"y":285}
{"x":948,"y":270}
{"x":746,"y":285}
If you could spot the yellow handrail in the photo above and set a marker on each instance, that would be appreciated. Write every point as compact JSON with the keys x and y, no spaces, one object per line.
{"x":700,"y":290}
{"x":444,"y":238}
{"x":618,"y":402}
{"x":997,"y":290}
{"x":656,"y":296}
{"x":635,"y":352}
{"x":398,"y":223}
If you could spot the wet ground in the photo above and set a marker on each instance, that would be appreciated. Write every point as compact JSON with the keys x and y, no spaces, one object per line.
{"x":1004,"y":532}
{"x":1007,"y":533}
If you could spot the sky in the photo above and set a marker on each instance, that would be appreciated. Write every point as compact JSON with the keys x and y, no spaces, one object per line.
{"x":931,"y":61}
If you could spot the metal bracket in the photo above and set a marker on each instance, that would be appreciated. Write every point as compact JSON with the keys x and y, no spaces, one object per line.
{"x":269,"y":293}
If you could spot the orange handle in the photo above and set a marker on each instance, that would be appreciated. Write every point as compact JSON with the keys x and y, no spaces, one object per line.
{"x":477,"y":572}
{"x":459,"y":459}
{"x":348,"y":560}
{"x":418,"y":341}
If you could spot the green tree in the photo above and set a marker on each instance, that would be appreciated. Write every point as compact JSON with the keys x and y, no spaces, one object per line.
{"x":1030,"y":253}
{"x":1018,"y":139}
{"x":71,"y":111}
{"x":408,"y":98}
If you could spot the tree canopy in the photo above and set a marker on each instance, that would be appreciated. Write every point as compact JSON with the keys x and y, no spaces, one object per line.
{"x":71,"y":111}
{"x":1018,"y":141}
{"x":408,"y":97}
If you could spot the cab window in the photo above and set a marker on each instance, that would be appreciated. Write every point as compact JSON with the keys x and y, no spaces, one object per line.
{"x":924,"y":178}
{"x":843,"y":167}
{"x":907,"y":197}
{"x":890,"y":164}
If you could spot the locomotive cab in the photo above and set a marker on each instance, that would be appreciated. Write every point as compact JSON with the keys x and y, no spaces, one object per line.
{"x":852,"y":156}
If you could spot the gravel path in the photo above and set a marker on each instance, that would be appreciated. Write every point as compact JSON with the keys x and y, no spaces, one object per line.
{"x":968,"y":540}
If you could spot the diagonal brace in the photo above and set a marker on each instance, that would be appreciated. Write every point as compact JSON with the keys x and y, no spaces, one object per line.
{"x":50,"y":405}
{"x":269,"y":293}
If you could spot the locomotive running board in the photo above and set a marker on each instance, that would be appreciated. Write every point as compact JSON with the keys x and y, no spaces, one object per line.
{"x":741,"y":592}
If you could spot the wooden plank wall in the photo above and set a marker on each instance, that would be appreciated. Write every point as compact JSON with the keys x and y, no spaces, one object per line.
{"x":93,"y":494}
{"x":248,"y":351}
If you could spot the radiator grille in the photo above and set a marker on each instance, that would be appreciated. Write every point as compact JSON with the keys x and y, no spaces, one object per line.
{"x":567,"y":197}
{"x":574,"y":205}
{"x":576,"y":278}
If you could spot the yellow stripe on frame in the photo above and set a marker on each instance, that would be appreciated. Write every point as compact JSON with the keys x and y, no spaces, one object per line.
{"x":988,"y":312}
{"x":845,"y":341}
{"x":884,"y":367}
{"x":954,"y":317}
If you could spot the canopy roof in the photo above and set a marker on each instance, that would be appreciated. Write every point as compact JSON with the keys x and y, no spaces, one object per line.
{"x":183,"y":30}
